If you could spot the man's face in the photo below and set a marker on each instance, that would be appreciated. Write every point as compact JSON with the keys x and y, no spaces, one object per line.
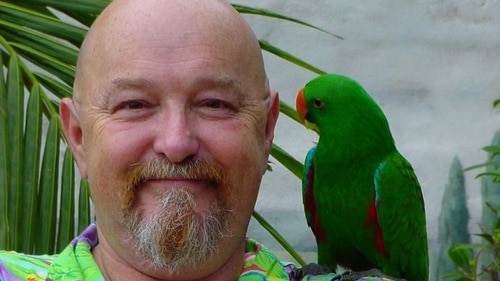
{"x":173,"y":127}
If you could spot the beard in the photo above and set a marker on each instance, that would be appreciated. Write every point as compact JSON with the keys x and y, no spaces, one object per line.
{"x":175,"y":236}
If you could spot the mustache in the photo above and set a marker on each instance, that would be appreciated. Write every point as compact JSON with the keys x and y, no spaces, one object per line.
{"x":160,"y":168}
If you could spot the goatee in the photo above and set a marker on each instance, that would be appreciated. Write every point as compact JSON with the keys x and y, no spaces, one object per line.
{"x":175,"y":236}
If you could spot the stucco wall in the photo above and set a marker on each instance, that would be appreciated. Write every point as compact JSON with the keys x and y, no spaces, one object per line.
{"x":433,"y":67}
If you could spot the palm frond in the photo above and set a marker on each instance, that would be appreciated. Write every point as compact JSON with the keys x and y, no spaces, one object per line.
{"x":266,"y":13}
{"x":47,"y":206}
{"x":32,"y":151}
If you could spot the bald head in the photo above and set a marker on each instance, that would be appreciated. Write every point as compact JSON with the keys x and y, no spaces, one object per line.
{"x":128,"y":26}
{"x":181,"y":81}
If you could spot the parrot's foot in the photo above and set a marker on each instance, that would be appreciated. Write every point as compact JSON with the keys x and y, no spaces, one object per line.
{"x":310,"y":269}
{"x":355,"y":275}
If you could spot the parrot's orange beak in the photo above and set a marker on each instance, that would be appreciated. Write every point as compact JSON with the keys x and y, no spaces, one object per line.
{"x":302,"y":112}
{"x":300,"y":105}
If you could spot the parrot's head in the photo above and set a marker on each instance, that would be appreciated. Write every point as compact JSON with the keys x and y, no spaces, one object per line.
{"x":336,"y":102}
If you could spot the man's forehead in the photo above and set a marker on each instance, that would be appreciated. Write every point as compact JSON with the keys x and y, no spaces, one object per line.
{"x":123,"y":50}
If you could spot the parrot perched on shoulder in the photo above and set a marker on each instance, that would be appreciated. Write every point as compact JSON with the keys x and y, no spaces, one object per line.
{"x":361,"y":197}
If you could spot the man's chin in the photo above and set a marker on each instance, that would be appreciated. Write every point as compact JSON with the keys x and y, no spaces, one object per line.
{"x":177,"y":235}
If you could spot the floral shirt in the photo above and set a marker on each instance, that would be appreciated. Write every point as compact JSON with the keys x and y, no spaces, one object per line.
{"x":77,"y":263}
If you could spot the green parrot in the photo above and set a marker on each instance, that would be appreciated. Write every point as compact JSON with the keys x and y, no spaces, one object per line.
{"x":361,"y":197}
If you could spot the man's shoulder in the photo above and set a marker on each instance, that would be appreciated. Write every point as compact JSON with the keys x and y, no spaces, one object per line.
{"x":18,"y":266}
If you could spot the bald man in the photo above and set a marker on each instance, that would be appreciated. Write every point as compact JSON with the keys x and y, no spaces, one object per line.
{"x":171,"y":123}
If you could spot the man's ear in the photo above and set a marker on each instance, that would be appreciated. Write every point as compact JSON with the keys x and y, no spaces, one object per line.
{"x":272,"y":118}
{"x":73,"y":131}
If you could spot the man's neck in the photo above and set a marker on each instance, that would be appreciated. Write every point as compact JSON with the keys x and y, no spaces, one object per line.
{"x":113,"y":267}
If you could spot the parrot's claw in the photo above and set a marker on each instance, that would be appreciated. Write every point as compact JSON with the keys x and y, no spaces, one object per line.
{"x":310,"y":269}
{"x":359,"y":275}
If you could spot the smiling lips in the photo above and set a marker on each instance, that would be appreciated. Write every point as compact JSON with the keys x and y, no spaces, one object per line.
{"x":180,"y":182}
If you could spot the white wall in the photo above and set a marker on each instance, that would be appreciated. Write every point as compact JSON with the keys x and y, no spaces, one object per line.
{"x":432,"y":65}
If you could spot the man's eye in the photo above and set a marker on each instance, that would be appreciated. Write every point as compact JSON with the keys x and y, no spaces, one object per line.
{"x":130,"y":105}
{"x":215,"y":104}
{"x":216,"y":108}
{"x":133,"y":105}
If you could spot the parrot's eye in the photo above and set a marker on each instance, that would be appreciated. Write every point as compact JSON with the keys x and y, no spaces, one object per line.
{"x":318,"y":103}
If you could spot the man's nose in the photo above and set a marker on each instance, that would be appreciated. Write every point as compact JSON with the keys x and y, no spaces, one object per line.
{"x":176,"y":138}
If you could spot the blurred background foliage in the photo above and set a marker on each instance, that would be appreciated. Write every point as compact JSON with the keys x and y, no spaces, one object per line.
{"x":481,"y":260}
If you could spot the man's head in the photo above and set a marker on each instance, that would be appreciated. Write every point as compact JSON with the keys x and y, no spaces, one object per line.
{"x":172,"y":123}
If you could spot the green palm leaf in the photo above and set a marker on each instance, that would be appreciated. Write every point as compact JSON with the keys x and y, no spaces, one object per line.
{"x":51,"y":65}
{"x":287,"y":160}
{"x":15,"y":117}
{"x":262,"y":221}
{"x":83,"y":206}
{"x":77,"y":6}
{"x":4,"y":180}
{"x":32,"y":148}
{"x":266,"y":13}
{"x":57,"y":88}
{"x":43,"y":23}
{"x":46,"y":44}
{"x":264,"y":45}
{"x":66,"y":230}
{"x":48,"y":191}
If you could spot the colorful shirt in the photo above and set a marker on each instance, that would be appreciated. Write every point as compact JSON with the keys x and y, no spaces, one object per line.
{"x":77,"y":263}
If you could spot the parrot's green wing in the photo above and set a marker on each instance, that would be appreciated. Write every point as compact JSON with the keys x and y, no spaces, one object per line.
{"x":401,"y":216}
{"x":307,"y":185}
{"x":310,"y":208}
